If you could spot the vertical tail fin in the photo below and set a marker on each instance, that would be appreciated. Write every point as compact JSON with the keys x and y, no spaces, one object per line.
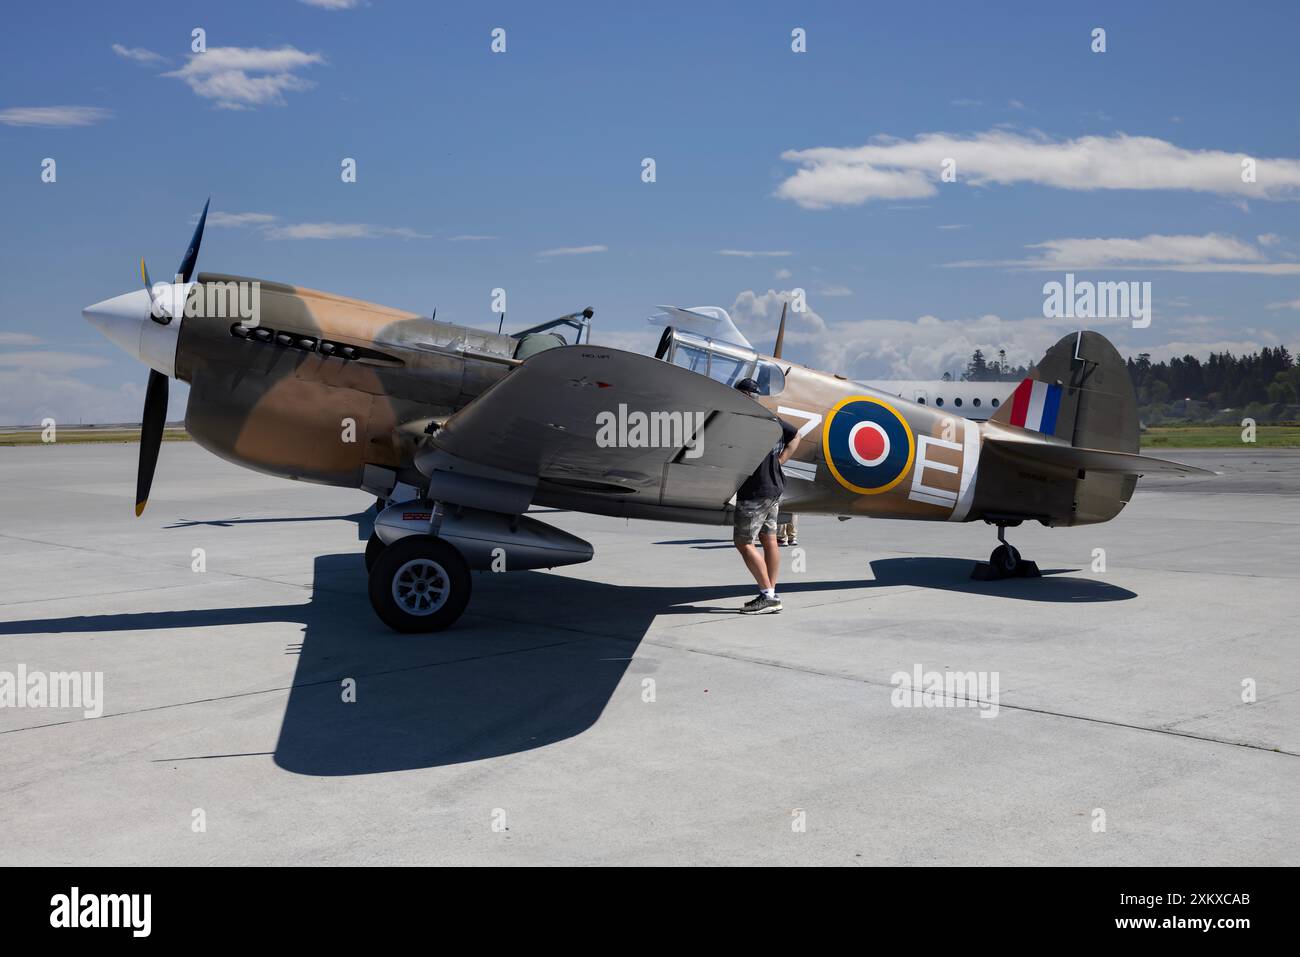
{"x":1080,"y":393}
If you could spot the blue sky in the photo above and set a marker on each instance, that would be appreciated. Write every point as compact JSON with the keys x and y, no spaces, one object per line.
{"x":539,"y":149}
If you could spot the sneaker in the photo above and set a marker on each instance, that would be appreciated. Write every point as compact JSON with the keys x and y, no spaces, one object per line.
{"x":794,"y":542}
{"x":762,"y":606}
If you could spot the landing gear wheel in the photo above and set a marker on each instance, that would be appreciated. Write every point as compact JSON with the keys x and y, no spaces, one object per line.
{"x":374,"y":548}
{"x":1005,"y":560}
{"x":419,"y":584}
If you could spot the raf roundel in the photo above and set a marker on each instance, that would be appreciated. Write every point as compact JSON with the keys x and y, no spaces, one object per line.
{"x":868,"y":446}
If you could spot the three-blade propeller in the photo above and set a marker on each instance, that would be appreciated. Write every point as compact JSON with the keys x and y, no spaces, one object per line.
{"x":155,"y":395}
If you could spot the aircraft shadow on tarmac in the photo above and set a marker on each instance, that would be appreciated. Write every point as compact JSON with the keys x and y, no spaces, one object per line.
{"x":363,"y":520}
{"x":534,"y":661}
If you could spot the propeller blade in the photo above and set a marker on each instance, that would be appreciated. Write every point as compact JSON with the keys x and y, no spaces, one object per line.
{"x":151,"y":432}
{"x":780,"y":332}
{"x":157,"y":311}
{"x":192,"y":254}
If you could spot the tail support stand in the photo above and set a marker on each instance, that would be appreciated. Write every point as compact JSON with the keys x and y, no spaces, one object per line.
{"x":1005,"y":562}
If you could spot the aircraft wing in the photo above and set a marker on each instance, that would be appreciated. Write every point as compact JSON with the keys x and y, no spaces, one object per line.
{"x":569,"y":417}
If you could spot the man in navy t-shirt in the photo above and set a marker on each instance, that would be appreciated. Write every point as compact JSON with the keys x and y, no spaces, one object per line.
{"x":758,"y":502}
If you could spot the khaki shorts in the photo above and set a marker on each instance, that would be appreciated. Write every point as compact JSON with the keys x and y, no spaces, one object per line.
{"x":753,"y":518}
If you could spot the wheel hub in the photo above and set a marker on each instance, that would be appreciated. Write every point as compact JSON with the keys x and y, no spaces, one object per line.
{"x":421,"y":587}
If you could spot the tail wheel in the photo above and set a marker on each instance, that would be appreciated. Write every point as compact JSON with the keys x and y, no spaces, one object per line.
{"x":419,"y":584}
{"x":1005,"y":560}
{"x":374,"y":547}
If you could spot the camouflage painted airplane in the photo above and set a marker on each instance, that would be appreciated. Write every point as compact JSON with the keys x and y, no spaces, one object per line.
{"x":459,"y":431}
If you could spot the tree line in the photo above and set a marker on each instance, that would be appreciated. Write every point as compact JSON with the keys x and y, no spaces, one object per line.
{"x":1267,"y":381}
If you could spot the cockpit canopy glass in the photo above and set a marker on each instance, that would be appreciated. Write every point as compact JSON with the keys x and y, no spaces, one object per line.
{"x":721,"y":361}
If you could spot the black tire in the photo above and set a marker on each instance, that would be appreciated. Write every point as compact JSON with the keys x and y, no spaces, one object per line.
{"x":374,"y":547}
{"x":1005,"y":560}
{"x":395,"y":589}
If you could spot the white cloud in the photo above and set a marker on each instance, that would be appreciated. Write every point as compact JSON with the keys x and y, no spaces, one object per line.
{"x":138,"y":54}
{"x":340,"y":231}
{"x":1213,"y":252}
{"x":239,"y":220}
{"x":573,"y":250}
{"x":18,"y":339}
{"x":835,"y":292}
{"x":755,"y":253}
{"x":268,"y":225}
{"x":241,"y":77}
{"x":891,"y":168}
{"x":927,"y":347}
{"x":1288,"y":304}
{"x":53,"y":115}
{"x":1184,"y":249}
{"x":27,"y":396}
{"x":49,"y":361}
{"x":1268,"y":239}
{"x":1257,"y":269}
{"x":954,"y":226}
{"x":782,"y":274}
{"x":471,"y":238}
{"x":758,"y":315}
{"x":333,"y":4}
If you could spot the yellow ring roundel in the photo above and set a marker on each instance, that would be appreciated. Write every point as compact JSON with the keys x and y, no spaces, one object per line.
{"x":867,"y":444}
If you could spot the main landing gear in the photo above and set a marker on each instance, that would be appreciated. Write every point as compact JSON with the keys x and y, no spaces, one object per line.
{"x":420,"y":558}
{"x":1005,"y":561}
{"x":418,"y":584}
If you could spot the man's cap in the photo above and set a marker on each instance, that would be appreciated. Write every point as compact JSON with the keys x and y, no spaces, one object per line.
{"x":748,"y":386}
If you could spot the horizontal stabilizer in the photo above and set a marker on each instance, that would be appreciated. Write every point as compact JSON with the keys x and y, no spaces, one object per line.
{"x":1093,"y":460}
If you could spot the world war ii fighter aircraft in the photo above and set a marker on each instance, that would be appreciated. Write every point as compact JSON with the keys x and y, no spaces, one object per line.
{"x":459,"y":431}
